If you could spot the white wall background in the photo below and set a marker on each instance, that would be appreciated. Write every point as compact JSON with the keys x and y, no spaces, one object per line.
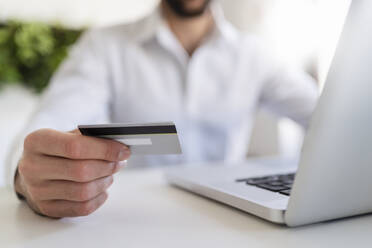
{"x":76,"y":13}
{"x":300,"y":31}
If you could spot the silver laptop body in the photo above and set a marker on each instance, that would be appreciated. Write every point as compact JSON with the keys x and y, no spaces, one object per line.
{"x":334,"y":175}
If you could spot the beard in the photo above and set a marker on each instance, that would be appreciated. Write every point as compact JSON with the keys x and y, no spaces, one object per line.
{"x":181,"y":8}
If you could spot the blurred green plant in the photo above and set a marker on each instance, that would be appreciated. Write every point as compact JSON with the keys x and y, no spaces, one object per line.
{"x":31,"y":52}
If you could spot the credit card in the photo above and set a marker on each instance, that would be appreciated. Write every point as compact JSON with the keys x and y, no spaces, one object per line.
{"x":143,"y":139}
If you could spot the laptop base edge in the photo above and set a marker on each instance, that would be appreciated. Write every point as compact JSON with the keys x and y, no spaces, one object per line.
{"x":273,"y":215}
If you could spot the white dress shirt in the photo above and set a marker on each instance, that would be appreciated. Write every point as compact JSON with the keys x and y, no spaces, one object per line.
{"x":139,"y":72}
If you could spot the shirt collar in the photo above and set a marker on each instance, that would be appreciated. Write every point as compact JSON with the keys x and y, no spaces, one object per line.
{"x":156,"y":27}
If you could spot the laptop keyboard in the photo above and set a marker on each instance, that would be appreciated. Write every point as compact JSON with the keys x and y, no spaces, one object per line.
{"x":276,"y":183}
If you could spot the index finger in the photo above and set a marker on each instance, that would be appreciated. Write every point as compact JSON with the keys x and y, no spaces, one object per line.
{"x":77,"y":146}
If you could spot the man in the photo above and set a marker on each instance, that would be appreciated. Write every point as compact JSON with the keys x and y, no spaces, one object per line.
{"x":184,"y":63}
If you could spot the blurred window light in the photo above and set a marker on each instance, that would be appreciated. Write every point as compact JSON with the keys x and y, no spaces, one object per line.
{"x":291,"y":28}
{"x":332,"y":15}
{"x":303,"y":33}
{"x":306,"y":31}
{"x":303,"y":28}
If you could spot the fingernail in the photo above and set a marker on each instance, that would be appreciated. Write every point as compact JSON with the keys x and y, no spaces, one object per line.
{"x":120,"y":165}
{"x":123,"y":154}
{"x":123,"y":163}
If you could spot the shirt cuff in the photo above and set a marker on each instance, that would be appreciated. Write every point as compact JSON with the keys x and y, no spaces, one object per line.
{"x":12,"y":163}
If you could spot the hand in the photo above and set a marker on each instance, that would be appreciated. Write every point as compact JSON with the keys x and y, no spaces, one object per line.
{"x":67,"y":174}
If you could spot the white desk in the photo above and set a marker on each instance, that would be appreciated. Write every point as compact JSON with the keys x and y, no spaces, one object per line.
{"x":143,"y":211}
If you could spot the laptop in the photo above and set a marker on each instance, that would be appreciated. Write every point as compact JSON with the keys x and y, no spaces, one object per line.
{"x":333,"y":177}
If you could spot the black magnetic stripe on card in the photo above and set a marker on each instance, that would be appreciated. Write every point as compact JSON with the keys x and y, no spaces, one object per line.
{"x":128,"y":130}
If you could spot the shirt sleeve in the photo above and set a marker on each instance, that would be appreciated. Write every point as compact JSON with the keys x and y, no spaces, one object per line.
{"x":286,"y":91}
{"x":78,"y":93}
{"x":292,"y":94}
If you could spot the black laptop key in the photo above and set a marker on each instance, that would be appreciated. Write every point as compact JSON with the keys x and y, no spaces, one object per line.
{"x":287,"y":177}
{"x":271,"y":187}
{"x":288,"y":181}
{"x":288,"y":185}
{"x":242,"y":180}
{"x":285,"y":192}
{"x":257,"y":180}
{"x":276,"y":183}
